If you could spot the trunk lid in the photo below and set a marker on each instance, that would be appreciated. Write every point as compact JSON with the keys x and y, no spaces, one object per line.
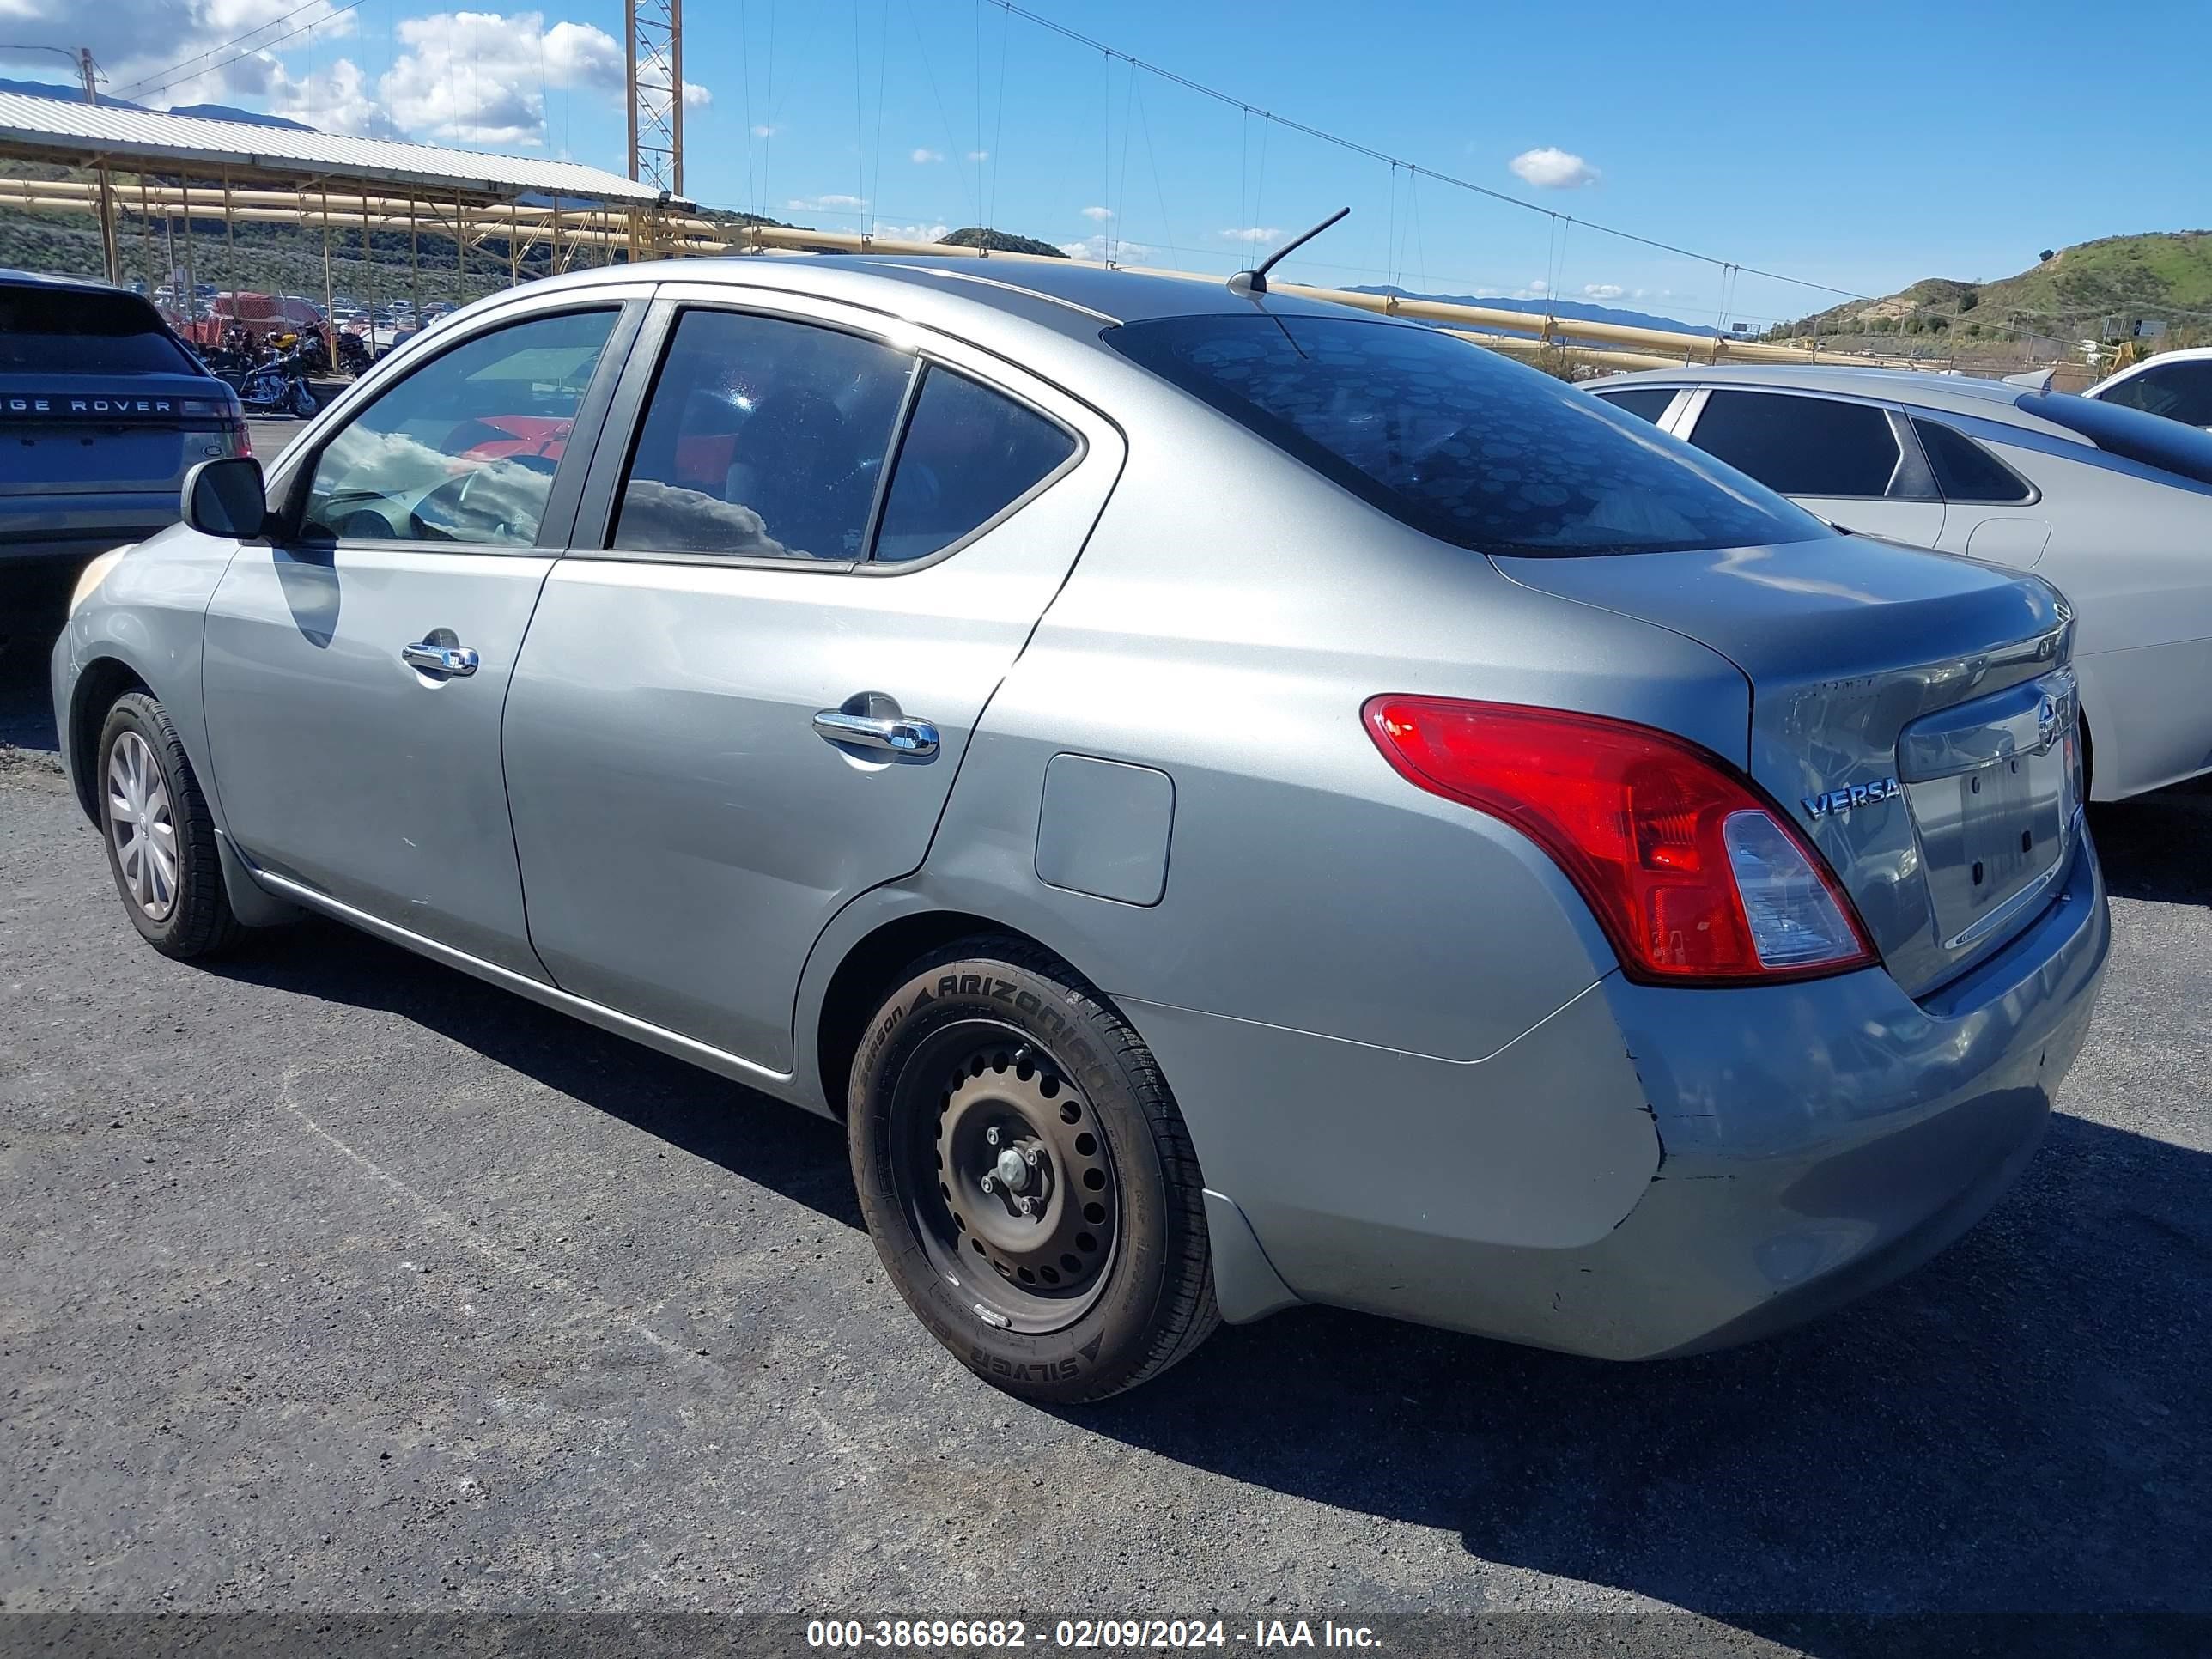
{"x":79,"y":434}
{"x":1913,"y":712}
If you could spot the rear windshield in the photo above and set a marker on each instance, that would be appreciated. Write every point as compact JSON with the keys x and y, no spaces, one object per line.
{"x":84,"y":332}
{"x":2117,"y":430}
{"x":1458,"y":442}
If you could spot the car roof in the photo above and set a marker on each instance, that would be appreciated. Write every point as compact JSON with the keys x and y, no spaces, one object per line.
{"x":1071,"y":297}
{"x":1964,"y":393}
{"x":13,"y":278}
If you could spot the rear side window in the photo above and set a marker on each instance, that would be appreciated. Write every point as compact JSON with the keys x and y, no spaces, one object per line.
{"x":763,"y":438}
{"x":1965,"y":471}
{"x":1801,"y":445}
{"x":1458,"y":442}
{"x":85,"y":331}
{"x":1646,"y":402}
{"x":969,"y":454}
{"x":2181,"y":392}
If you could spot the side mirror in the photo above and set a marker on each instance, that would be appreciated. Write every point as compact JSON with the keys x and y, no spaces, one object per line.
{"x":225,"y":498}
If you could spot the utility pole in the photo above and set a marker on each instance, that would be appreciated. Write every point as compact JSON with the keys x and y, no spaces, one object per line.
{"x":654,"y":32}
{"x":109,"y":252}
{"x":88,"y":72}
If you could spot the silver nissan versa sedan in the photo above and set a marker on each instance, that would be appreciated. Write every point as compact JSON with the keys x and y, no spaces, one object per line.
{"x":1232,"y":801}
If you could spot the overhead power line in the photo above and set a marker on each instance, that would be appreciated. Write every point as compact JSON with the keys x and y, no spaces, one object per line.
{"x":1354,"y":147}
{"x":197,"y":64}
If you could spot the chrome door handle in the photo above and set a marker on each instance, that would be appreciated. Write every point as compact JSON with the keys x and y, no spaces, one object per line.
{"x":456,"y":660}
{"x":916,"y":740}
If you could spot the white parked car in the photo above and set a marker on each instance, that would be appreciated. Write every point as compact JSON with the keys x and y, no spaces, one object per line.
{"x":2112,"y":505}
{"x":2175,"y":383}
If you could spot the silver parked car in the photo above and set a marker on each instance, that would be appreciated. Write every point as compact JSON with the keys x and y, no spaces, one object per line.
{"x":2112,"y":505}
{"x":1232,"y":801}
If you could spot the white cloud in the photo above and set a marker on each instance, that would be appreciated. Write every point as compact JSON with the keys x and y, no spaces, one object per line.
{"x":1602,"y":291}
{"x":766,"y":131}
{"x":1254,"y":233}
{"x":912,"y":233}
{"x":921,"y":157}
{"x":1101,"y":247}
{"x":697,"y":96}
{"x":1536,"y":289}
{"x":826,"y":204}
{"x":1553,"y":169}
{"x":139,"y":44}
{"x":979,"y":155}
{"x":1097,"y":215}
{"x":336,"y":101}
{"x":475,"y":78}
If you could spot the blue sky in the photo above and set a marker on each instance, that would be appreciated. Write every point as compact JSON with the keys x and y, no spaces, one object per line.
{"x":1861,"y":148}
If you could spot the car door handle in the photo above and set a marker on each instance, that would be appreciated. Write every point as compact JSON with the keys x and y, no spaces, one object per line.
{"x":457,"y":661}
{"x":911,"y":739}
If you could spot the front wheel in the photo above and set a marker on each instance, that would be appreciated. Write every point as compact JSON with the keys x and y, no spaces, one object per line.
{"x":1027,"y":1178}
{"x":159,"y":834}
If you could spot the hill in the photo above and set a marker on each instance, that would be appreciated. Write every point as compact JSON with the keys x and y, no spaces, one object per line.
{"x":1000,"y":241}
{"x":1569,"y":310}
{"x":2093,"y":291}
{"x":204,"y":111}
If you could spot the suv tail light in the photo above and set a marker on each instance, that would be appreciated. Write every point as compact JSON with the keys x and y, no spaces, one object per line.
{"x":1696,"y":878}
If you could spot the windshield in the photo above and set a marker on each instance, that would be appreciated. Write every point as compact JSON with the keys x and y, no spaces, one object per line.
{"x":2153,"y":440}
{"x":81,"y":331}
{"x":1457,"y":441}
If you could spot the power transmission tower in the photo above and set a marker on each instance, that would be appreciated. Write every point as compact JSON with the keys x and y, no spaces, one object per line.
{"x":655,"y":32}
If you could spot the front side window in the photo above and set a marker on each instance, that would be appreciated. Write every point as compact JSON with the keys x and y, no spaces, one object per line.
{"x":2181,"y":392}
{"x":1801,"y":445}
{"x":1965,"y":471}
{"x":464,"y":448}
{"x":1458,"y":442}
{"x":969,"y":453}
{"x":763,"y":438}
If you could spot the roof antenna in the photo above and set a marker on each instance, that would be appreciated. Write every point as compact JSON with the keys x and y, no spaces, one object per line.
{"x":1256,"y":279}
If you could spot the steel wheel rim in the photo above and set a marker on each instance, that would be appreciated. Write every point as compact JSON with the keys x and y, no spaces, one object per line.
{"x":141,"y":826}
{"x":1031,"y":1272}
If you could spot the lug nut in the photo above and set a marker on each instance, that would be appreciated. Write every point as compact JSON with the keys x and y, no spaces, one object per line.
{"x":991,"y":1136}
{"x":987,"y":1183}
{"x":1030,"y":1155}
{"x":1027,"y":1206}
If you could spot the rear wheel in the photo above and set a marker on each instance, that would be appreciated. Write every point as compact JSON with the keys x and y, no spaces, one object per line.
{"x":159,"y":836}
{"x":1027,"y":1178}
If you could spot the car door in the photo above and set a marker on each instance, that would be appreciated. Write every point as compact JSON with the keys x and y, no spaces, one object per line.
{"x":1990,"y":510}
{"x":1854,"y":463}
{"x":815,"y":561}
{"x":357,"y":665}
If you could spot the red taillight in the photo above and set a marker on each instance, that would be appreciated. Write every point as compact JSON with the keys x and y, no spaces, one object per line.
{"x":1693,"y":873}
{"x":240,"y":436}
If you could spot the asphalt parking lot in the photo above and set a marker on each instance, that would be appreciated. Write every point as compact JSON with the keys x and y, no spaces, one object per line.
{"x":331,"y":1279}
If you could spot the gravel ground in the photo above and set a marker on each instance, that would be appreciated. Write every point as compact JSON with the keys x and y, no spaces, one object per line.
{"x":331,"y":1279}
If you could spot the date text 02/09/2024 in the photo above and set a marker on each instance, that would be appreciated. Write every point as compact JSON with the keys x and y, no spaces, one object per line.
{"x":1087,"y":1635}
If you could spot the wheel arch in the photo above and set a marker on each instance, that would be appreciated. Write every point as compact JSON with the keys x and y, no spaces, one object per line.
{"x":99,"y":683}
{"x":871,"y":965}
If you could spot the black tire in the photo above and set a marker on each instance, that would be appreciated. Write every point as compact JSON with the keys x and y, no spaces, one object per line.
{"x":995,"y":1033}
{"x":199,"y":921}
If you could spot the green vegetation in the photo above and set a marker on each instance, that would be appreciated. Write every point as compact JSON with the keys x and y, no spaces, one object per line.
{"x":1000,"y":242}
{"x":2084,"y":292}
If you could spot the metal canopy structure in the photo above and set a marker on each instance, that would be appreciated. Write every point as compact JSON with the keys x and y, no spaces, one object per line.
{"x":165,"y":172}
{"x":51,"y":129}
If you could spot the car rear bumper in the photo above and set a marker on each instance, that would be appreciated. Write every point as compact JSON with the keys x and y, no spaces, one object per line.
{"x":47,"y":529}
{"x":1783,"y":1149}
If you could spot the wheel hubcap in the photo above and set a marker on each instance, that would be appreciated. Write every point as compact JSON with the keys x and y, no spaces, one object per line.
{"x":1025,"y":1212}
{"x":141,"y":826}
